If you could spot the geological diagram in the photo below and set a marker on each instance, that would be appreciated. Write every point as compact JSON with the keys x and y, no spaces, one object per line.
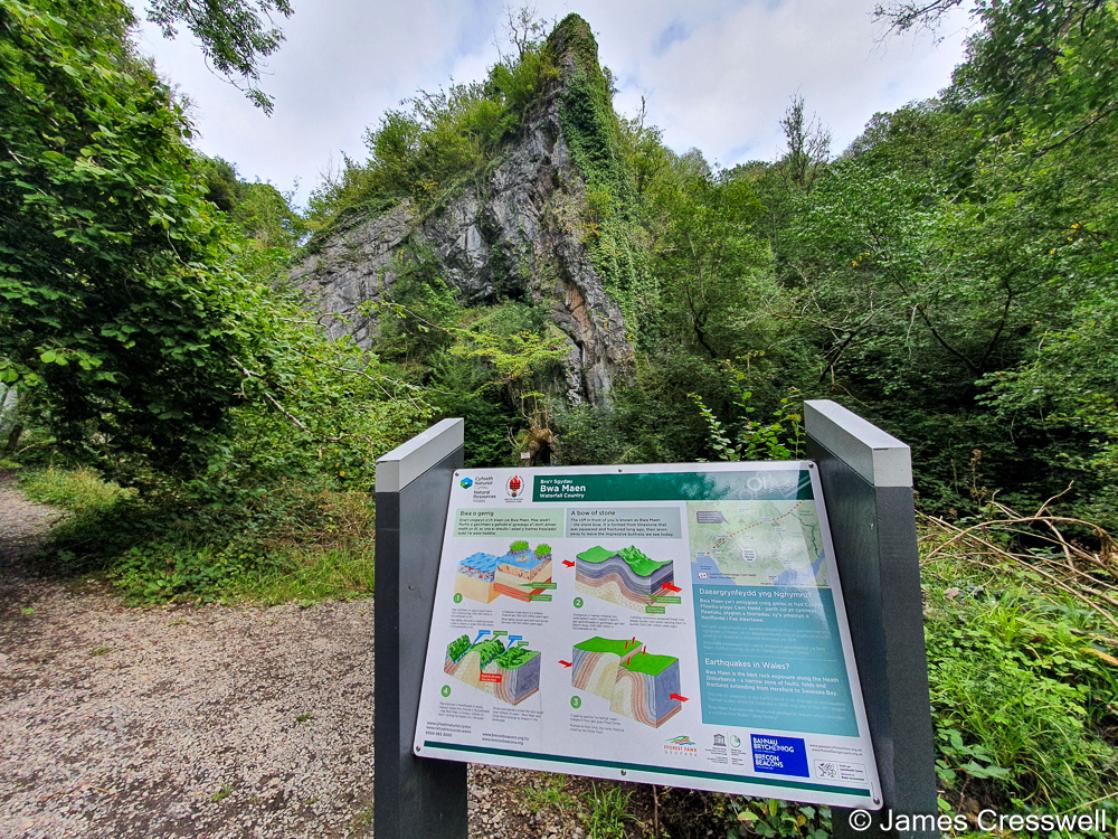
{"x":635,"y":682}
{"x":509,"y":671}
{"x":520,"y":573}
{"x":627,"y":577}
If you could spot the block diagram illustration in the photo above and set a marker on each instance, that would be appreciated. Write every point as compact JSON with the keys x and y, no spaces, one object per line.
{"x":635,"y":682}
{"x":627,"y":577}
{"x":507,"y":668}
{"x":520,"y":573}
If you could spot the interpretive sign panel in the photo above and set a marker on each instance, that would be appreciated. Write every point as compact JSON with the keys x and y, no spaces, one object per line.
{"x":675,"y":624}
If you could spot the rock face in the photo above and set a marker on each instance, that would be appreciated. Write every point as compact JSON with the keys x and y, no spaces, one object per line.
{"x":517,"y":232}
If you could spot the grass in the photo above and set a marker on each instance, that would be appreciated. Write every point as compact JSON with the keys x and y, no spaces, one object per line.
{"x":362,"y":823}
{"x":287,"y":544}
{"x":77,"y":490}
{"x":609,"y":811}
{"x":310,"y":576}
{"x":550,"y":792}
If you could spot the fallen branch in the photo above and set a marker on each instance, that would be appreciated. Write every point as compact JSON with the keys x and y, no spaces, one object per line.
{"x":1089,"y":595}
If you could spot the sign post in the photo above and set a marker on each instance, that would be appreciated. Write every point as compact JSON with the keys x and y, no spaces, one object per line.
{"x":412,"y":798}
{"x":867,"y":481}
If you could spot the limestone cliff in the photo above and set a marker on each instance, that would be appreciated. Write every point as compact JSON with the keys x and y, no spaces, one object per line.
{"x":518,"y":230}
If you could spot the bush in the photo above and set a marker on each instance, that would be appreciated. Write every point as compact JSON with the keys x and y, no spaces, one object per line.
{"x":1033,"y":727}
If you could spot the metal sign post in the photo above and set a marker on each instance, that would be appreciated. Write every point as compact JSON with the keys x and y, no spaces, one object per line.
{"x":412,"y":798}
{"x":867,"y":481}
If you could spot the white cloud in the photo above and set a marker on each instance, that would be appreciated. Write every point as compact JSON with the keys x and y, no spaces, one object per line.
{"x":716,"y":74}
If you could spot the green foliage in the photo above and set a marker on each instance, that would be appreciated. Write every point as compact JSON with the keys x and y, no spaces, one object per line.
{"x":418,"y":312}
{"x":222,"y":794}
{"x":543,"y":549}
{"x":80,"y":491}
{"x":593,"y":134}
{"x":130,"y":322}
{"x":518,"y":545}
{"x":1030,"y":729}
{"x":711,"y":262}
{"x":522,"y":351}
{"x":113,"y":311}
{"x":689,"y":813}
{"x":440,"y":140}
{"x":260,"y":210}
{"x":960,"y":256}
{"x":286,"y":544}
{"x":779,"y":439}
{"x":233,"y":36}
{"x":549,"y":791}
{"x":609,"y":811}
{"x":772,"y":818}
{"x":654,"y":421}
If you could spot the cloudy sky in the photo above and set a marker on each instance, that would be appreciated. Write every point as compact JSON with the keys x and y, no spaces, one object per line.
{"x":716,"y":74}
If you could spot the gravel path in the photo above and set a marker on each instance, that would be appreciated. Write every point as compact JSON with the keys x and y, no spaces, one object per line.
{"x":195,"y":721}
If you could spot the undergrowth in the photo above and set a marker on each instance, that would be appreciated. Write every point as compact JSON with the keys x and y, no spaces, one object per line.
{"x":1024,"y":678}
{"x":286,"y":544}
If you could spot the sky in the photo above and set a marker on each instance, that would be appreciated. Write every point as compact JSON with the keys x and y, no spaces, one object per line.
{"x":716,"y":75}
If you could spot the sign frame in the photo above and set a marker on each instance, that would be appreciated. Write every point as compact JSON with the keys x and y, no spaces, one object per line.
{"x":790,"y":786}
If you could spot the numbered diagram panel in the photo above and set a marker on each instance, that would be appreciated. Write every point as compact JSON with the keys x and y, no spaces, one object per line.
{"x":677,"y":624}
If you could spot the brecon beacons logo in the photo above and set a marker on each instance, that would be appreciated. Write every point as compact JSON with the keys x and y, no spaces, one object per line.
{"x":514,"y":487}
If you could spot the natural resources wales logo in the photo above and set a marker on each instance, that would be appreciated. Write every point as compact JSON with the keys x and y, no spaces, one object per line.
{"x":466,"y":482}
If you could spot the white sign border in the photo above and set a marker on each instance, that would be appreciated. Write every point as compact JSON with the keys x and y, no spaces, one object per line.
{"x":750,"y":785}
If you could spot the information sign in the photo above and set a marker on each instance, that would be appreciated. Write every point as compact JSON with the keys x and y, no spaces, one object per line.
{"x":675,"y":624}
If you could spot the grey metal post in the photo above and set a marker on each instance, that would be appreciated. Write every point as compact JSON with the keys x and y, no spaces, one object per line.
{"x":867,"y":484}
{"x":412,"y":797}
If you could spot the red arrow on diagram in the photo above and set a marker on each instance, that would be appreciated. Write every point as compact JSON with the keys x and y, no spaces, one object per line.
{"x":671,"y":587}
{"x":565,"y":663}
{"x":568,"y":563}
{"x":677,"y":696}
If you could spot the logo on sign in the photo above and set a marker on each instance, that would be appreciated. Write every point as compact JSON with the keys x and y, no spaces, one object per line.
{"x":681,"y":745}
{"x":466,"y":483}
{"x":779,"y":755}
{"x":514,"y":487}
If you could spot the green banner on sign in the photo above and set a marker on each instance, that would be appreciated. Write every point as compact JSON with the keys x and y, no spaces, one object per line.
{"x":752,"y":485}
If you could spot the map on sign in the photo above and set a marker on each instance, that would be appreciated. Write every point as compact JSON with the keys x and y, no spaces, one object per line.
{"x":676,"y":624}
{"x":756,"y":543}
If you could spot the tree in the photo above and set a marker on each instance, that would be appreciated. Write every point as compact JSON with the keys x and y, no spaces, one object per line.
{"x":710,"y":263}
{"x":235,"y":36}
{"x":124,"y":320}
{"x":809,"y":145}
{"x":955,"y":266}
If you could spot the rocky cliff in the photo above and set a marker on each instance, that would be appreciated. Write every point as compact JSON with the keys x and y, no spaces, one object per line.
{"x":517,"y":231}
